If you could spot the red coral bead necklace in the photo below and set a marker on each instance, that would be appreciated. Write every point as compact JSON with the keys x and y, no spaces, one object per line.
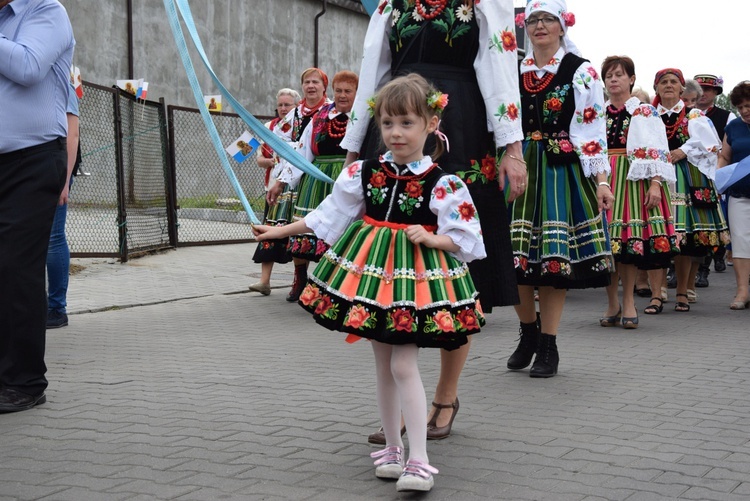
{"x":438,"y":6}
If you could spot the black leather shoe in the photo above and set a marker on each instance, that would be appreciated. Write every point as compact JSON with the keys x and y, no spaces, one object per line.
{"x":719,"y":264}
{"x":701,"y":279}
{"x":547,"y":357}
{"x":14,"y":401}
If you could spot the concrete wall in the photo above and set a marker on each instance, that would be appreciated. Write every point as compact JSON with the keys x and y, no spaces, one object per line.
{"x":255,"y":46}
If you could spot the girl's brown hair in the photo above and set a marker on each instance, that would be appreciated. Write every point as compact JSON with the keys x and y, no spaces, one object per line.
{"x":408,"y":94}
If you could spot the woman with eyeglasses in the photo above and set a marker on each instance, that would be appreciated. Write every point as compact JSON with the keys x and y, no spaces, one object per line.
{"x":557,"y":228}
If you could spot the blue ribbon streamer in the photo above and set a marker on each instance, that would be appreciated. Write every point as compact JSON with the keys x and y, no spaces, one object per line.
{"x":370,"y":5}
{"x":174,"y":23}
{"x":279,"y":146}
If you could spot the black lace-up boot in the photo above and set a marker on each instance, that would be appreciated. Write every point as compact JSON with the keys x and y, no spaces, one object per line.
{"x":547,"y":358}
{"x":528,"y":336}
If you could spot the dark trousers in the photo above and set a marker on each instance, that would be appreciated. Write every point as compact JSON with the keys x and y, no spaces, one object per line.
{"x":31,"y":180}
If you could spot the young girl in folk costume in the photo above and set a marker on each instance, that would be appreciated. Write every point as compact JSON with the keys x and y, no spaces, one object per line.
{"x":396,"y":274}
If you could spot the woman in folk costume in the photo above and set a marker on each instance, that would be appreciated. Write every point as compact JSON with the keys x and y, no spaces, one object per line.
{"x":694,"y":147}
{"x":319,"y":144}
{"x":641,"y":227}
{"x":557,"y":228}
{"x":274,"y":251}
{"x":467,"y":49}
{"x":401,"y":231}
{"x":314,"y":84}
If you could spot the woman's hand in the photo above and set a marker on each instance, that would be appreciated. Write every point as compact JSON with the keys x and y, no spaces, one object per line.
{"x":604,"y":197}
{"x":677,"y":155}
{"x":273,"y":194}
{"x":653,"y":196}
{"x":513,"y":168}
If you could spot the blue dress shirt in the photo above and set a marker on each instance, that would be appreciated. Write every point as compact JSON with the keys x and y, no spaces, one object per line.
{"x":36,"y":50}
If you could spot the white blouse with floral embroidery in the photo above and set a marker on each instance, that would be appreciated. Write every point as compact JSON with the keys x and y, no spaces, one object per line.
{"x":588,"y":91}
{"x":496,"y":70}
{"x":449,"y":201}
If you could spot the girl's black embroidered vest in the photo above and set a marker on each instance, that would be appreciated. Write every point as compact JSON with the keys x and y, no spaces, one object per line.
{"x":398,"y":197}
{"x":547,"y":114}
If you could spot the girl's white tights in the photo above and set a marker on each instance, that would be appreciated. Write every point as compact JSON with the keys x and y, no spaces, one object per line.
{"x":400,"y":390}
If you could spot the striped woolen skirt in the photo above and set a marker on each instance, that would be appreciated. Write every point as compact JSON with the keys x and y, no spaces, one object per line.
{"x":700,"y":227}
{"x":373,"y":282}
{"x":558,"y":235}
{"x":279,"y":214}
{"x":310,"y":193}
{"x":639,"y":236}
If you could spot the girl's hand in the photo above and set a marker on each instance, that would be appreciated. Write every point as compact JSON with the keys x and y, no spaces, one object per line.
{"x":418,"y":235}
{"x":264,"y":232}
{"x":653,"y":196}
{"x":604,"y":197}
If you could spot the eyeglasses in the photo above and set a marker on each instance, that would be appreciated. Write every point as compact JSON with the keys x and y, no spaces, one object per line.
{"x":546,"y":21}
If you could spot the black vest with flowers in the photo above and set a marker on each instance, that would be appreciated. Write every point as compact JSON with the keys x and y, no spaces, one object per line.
{"x":547,"y":115}
{"x":398,"y":197}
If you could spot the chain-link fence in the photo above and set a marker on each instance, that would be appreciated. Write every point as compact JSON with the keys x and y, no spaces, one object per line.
{"x":146,"y":185}
{"x":207,"y":207}
{"x":118,"y":206}
{"x":93,"y":219}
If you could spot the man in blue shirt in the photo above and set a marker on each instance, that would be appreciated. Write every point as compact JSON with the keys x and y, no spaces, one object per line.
{"x":36,"y":50}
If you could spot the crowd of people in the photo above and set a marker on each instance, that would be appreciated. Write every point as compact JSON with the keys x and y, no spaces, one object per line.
{"x":543,"y":175}
{"x":578,"y":180}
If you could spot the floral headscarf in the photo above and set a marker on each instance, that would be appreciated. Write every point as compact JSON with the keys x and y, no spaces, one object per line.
{"x":557,"y":8}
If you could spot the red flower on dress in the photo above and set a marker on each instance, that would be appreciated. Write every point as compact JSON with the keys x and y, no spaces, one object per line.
{"x":402,"y":320}
{"x":654,"y":153}
{"x":413,"y":189}
{"x":352,"y":169}
{"x":444,"y":321}
{"x":513,"y":111}
{"x":382,"y":6}
{"x":377,"y":180}
{"x":440,"y":192}
{"x":639,"y":153}
{"x":285,"y":127}
{"x":509,"y":40}
{"x":553,"y":267}
{"x":589,"y":115}
{"x":305,"y":245}
{"x":591,"y":148}
{"x":309,"y":295}
{"x":593,"y":73}
{"x":565,"y":145}
{"x":520,"y":18}
{"x":661,"y":244}
{"x":488,"y":168}
{"x":468,"y":319}
{"x":466,"y":211}
{"x":357,"y":317}
{"x":323,"y":305}
{"x":553,"y":104}
{"x":321,"y":247}
{"x":452,"y":185}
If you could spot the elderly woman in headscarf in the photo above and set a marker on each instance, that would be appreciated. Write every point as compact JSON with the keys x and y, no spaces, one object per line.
{"x":558,"y":231}
{"x":694,"y":145}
